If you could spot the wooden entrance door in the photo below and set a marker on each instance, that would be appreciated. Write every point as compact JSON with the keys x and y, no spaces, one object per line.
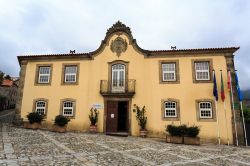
{"x":112,"y":116}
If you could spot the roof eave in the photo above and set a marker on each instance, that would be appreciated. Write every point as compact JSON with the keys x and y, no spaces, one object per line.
{"x":53,"y":56}
{"x":195,"y":51}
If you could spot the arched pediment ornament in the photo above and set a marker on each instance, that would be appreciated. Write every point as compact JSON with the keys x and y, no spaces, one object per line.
{"x":121,"y":45}
{"x":119,"y":27}
{"x":118,"y":46}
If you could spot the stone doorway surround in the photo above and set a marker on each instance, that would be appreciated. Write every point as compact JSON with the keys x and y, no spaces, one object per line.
{"x":129,"y":112}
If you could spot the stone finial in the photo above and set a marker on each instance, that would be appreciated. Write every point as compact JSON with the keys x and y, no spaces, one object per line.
{"x":119,"y":27}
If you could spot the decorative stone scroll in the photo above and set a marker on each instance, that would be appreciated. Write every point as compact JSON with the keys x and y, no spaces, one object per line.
{"x":118,"y":46}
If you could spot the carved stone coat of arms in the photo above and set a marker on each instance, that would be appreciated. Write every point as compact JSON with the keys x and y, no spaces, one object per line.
{"x":118,"y":46}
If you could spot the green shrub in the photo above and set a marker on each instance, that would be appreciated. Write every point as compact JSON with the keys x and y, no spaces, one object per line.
{"x":34,"y":117}
{"x":93,"y":117}
{"x":61,"y":120}
{"x":140,"y":116}
{"x":176,"y":130}
{"x":192,"y":131}
{"x":183,"y":130}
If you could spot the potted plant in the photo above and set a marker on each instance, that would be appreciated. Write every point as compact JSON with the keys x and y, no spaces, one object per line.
{"x":60,"y":124}
{"x":142,"y":119}
{"x":190,"y":137}
{"x":35,"y":120}
{"x":175,"y":133}
{"x":93,"y":117}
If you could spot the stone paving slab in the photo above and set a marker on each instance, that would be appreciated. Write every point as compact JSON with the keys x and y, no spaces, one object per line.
{"x":188,"y":154}
{"x":89,"y":148}
{"x":122,"y":146}
{"x":193,"y":164}
{"x":157,"y":157}
{"x":108,"y":159}
{"x":53,"y":161}
{"x":23,"y":147}
{"x":37,"y":150}
{"x":242,"y":158}
{"x":69,"y":139}
{"x":223,"y":161}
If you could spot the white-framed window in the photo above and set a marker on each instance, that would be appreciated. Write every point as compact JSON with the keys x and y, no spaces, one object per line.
{"x":44,"y":74}
{"x":170,"y":109}
{"x":41,"y":107}
{"x":70,"y":74}
{"x":118,"y":77}
{"x":168,"y":72}
{"x":205,"y":110}
{"x":202,"y":71}
{"x":68,"y":108}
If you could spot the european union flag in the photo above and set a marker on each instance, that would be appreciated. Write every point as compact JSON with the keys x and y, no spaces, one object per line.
{"x":240,"y":96}
{"x":215,"y":91}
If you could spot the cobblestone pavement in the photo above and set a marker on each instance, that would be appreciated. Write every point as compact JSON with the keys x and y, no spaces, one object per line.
{"x":20,"y":146}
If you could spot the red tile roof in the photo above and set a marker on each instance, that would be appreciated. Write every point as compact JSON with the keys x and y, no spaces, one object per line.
{"x":197,"y":49}
{"x":67,"y":54}
{"x":7,"y":82}
{"x":148,"y":53}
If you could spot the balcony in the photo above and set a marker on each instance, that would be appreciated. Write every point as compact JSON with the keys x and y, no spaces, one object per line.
{"x":106,"y":88}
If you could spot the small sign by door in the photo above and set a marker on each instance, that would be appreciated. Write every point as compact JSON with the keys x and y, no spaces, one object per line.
{"x":97,"y":106}
{"x":112,"y":115}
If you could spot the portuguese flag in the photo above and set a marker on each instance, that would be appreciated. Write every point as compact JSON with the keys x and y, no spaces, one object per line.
{"x":222,"y":92}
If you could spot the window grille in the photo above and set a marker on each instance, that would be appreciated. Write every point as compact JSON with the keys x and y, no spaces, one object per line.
{"x":168,"y":72}
{"x":202,"y":70}
{"x":44,"y":74}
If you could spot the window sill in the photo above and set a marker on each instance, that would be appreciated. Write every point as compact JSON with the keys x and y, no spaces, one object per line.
{"x":69,"y":83}
{"x":171,"y":118}
{"x":69,"y":117}
{"x":202,"y":81}
{"x":206,"y":120}
{"x":42,"y":84}
{"x":169,"y":82}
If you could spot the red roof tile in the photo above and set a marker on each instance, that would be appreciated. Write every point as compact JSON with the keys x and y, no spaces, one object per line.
{"x":7,"y":82}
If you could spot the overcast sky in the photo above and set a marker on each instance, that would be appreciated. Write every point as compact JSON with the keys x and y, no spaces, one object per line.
{"x":46,"y":26}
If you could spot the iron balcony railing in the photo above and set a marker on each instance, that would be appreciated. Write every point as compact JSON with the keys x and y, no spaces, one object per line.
{"x":106,"y":87}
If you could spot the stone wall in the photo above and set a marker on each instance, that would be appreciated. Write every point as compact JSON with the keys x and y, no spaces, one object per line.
{"x":18,"y":120}
{"x":236,"y":103}
{"x":11,"y":96}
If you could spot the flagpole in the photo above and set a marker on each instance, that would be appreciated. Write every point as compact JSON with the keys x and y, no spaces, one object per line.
{"x":226,"y":122}
{"x":224,"y":103}
{"x":243,"y":122}
{"x":216,"y":108}
{"x":240,"y":99}
{"x":218,"y":130}
{"x":232,"y":98}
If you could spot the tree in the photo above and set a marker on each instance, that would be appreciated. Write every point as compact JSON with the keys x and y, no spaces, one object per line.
{"x":246,"y":112}
{"x":1,"y":77}
{"x":7,"y":77}
{"x":2,"y":102}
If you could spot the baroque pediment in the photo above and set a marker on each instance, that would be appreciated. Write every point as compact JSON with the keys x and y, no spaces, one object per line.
{"x":119,"y":27}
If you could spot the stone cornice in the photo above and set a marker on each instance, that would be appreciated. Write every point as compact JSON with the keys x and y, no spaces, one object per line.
{"x":48,"y":57}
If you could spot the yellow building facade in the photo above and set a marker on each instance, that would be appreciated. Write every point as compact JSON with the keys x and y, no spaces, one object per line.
{"x":176,"y":87}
